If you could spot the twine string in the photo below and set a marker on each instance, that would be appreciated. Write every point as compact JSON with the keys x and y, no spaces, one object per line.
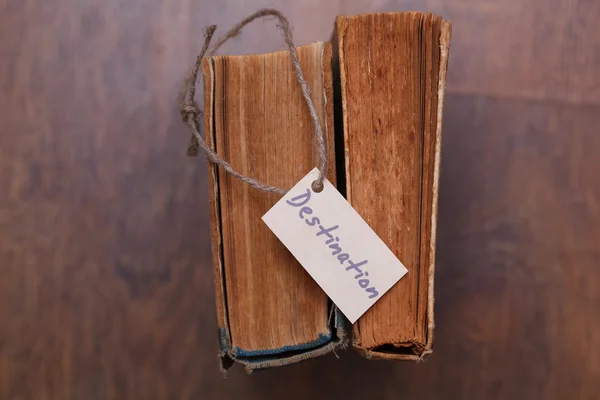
{"x":190,"y":112}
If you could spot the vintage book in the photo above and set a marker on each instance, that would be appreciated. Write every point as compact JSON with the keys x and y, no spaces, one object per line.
{"x":270,"y":311}
{"x":392,"y":69}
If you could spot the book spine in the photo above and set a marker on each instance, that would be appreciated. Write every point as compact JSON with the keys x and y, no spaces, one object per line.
{"x":215,"y":217}
{"x":445,"y":36}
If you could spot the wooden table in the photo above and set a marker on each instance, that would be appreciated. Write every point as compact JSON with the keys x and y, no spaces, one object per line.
{"x":105,"y":277}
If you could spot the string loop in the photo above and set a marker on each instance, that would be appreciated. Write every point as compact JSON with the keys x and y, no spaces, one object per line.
{"x":190,"y":112}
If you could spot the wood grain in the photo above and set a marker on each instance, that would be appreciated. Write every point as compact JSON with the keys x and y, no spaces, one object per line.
{"x":106,"y":287}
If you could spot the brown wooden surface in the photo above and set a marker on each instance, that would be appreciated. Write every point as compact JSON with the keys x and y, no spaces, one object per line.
{"x":105,"y":274}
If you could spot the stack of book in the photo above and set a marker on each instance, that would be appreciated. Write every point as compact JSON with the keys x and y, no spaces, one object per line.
{"x":383,"y":76}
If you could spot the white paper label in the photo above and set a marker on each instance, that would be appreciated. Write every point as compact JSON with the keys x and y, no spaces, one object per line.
{"x":335,"y":245}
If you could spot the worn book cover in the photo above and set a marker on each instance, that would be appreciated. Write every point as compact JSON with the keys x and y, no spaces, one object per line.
{"x":270,"y":312}
{"x":392,"y":69}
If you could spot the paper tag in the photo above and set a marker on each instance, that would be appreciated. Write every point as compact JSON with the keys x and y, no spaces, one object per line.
{"x":335,"y":245}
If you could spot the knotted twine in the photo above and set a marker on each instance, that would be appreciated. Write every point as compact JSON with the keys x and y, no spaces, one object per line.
{"x":190,"y":112}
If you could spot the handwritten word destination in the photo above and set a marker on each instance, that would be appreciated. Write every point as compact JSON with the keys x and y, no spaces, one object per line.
{"x":333,"y":242}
